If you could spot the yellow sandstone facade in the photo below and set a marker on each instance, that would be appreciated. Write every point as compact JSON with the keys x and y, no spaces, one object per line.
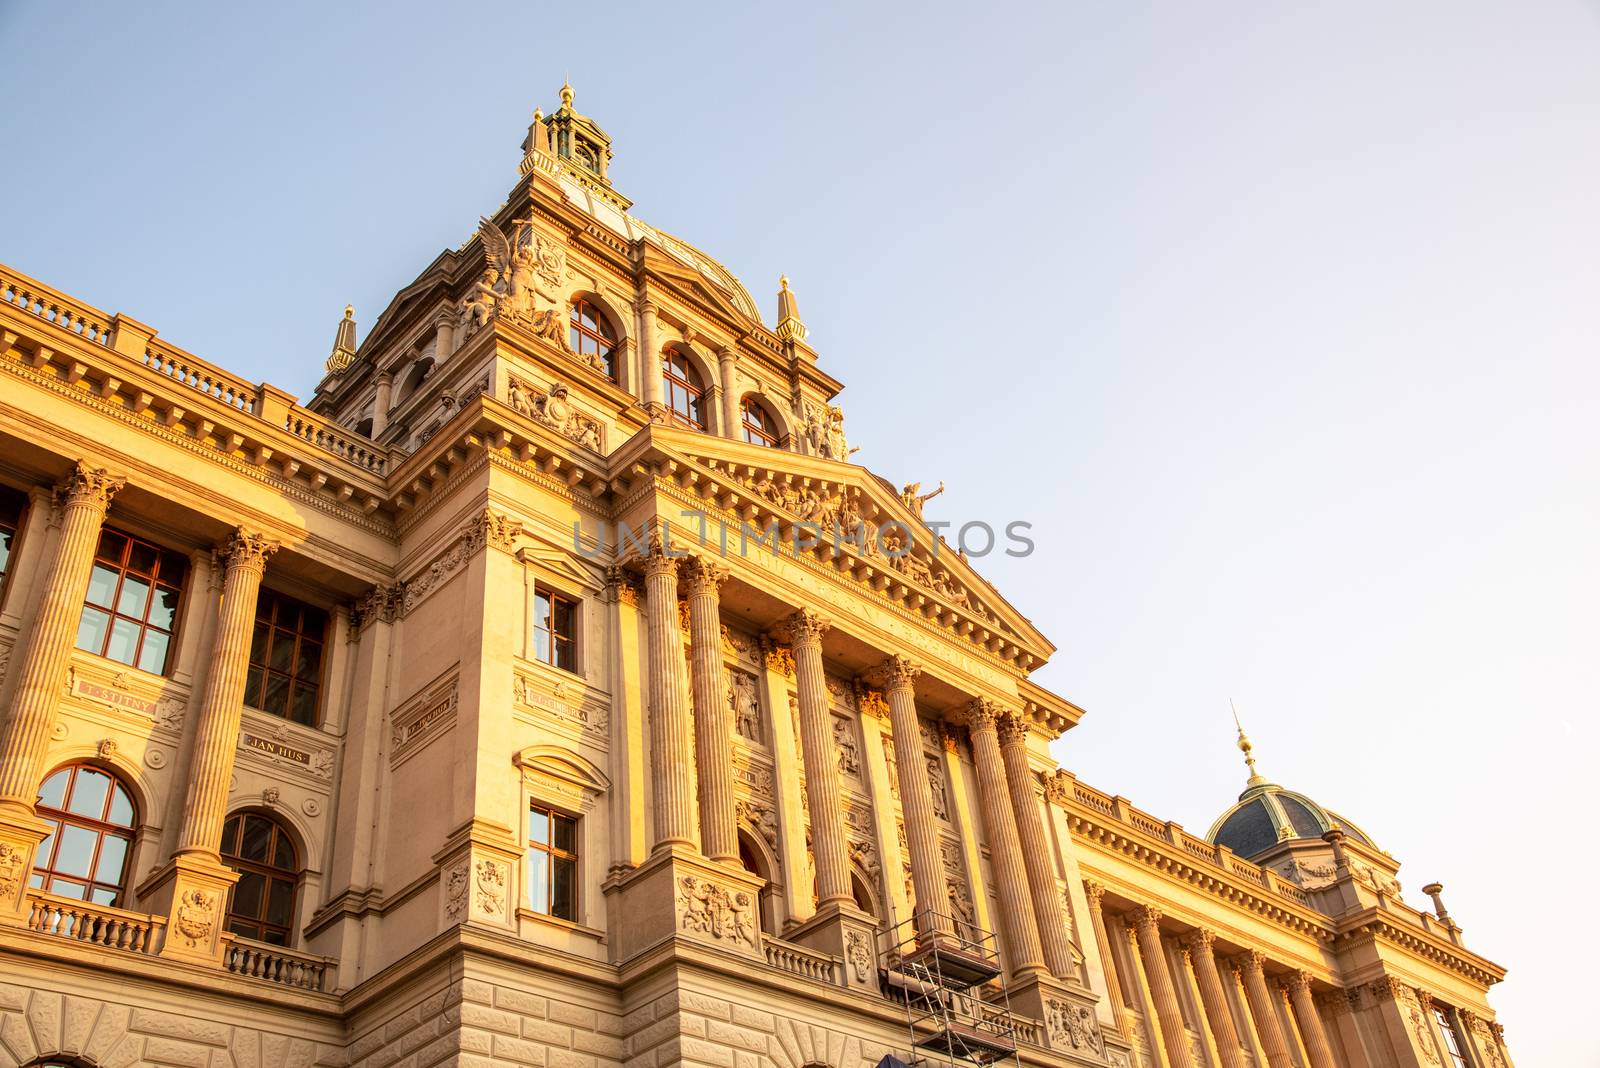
{"x":552,"y":689}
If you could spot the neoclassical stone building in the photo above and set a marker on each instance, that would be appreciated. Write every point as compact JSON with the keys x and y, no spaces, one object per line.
{"x":552,"y":689}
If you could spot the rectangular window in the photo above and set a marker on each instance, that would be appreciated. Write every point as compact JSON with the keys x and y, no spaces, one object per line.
{"x":285,"y":676}
{"x":555,"y":629}
{"x":131,"y":608}
{"x":552,"y":863}
{"x":12,"y":506}
{"x":1452,"y":1041}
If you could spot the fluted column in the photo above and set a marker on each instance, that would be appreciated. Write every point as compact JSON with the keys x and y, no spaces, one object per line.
{"x":897,"y":676}
{"x":1214,"y":998}
{"x":1309,"y":1021}
{"x":85,"y":496}
{"x":732,"y":423}
{"x":1005,"y":847}
{"x":671,"y":733}
{"x":1262,"y":1010}
{"x":1174,"y":1036}
{"x":1036,"y":851}
{"x":217,"y":738}
{"x":1095,"y":893}
{"x":719,"y":834}
{"x":803,"y":631}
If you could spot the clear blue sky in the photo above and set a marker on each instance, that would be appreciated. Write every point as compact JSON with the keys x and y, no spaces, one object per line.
{"x":1278,"y":322}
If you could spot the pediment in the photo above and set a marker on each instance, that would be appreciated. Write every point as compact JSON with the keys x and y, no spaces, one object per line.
{"x":882,"y":542}
{"x":691,"y":281}
{"x":561,"y":561}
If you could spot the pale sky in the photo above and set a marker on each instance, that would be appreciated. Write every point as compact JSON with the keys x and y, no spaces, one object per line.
{"x":1277,"y":321}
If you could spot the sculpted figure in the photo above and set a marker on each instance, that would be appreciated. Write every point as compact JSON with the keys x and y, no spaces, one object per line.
{"x":912,"y":494}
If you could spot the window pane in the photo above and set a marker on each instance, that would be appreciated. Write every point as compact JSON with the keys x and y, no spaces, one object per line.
{"x":252,"y":688}
{"x":102,"y":895}
{"x":111,"y":546}
{"x":308,"y":664}
{"x":164,"y":613}
{"x":283,"y":854}
{"x":566,"y":656}
{"x":276,"y":700}
{"x":66,"y":888}
{"x":41,"y":856}
{"x":257,"y":838}
{"x":142,"y":558}
{"x":274,"y":938}
{"x":76,"y":851}
{"x":92,"y":630}
{"x":258,"y":644}
{"x":102,"y":585}
{"x":541,"y":609}
{"x":564,"y":618}
{"x":314,"y":623}
{"x":89,"y":792}
{"x":230,"y":837}
{"x":113,"y":851}
{"x":54,"y":791}
{"x":538,"y":827}
{"x":305,"y":704}
{"x":153,"y":653}
{"x":247,"y":894}
{"x":280,"y":906}
{"x":565,"y":833}
{"x":173,"y":567}
{"x":562,"y":889}
{"x":541,"y":645}
{"x":539,"y":881}
{"x":121,"y":807}
{"x":282,"y":651}
{"x":124,"y":641}
{"x":134,"y":597}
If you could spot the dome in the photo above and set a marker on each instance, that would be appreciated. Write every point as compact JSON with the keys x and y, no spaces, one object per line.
{"x":1267,"y":814}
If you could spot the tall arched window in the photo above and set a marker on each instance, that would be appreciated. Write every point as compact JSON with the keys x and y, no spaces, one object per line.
{"x":262,"y":903}
{"x":750,"y":858}
{"x":683,"y":389}
{"x":92,"y":820}
{"x":865,"y":900}
{"x":759,"y":426}
{"x":591,"y":334}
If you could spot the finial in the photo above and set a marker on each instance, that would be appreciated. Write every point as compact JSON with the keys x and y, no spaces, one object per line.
{"x":1245,"y":747}
{"x":790,"y":328}
{"x":349,"y":311}
{"x":538,"y":114}
{"x":566,"y":92}
{"x":344,"y":343}
{"x":783,"y":281}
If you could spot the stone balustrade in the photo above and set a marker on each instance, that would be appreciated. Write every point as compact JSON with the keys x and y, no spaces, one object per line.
{"x":96,"y":925}
{"x":806,"y":963}
{"x":274,"y":964}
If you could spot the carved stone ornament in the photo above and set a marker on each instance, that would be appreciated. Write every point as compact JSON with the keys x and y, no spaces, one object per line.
{"x":497,"y":530}
{"x":856,"y":952}
{"x":14,"y":867}
{"x":871,"y":703}
{"x":554,"y":410}
{"x":713,"y":910}
{"x":804,"y":627}
{"x":455,"y":893}
{"x":489,"y":879}
{"x":91,"y":486}
{"x":759,"y":818}
{"x":844,"y":740}
{"x":507,"y":290}
{"x":246,"y":549}
{"x":106,"y":749}
{"x":271,"y":795}
{"x":380,"y":605}
{"x":936,"y":783}
{"x":745,"y":705}
{"x":1072,"y":1026}
{"x":781,"y":660}
{"x":196,"y":917}
{"x":897,"y":672}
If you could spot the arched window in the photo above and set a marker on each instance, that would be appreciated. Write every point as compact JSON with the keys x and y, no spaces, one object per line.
{"x":262,"y":903}
{"x":750,"y":858}
{"x":591,"y":334}
{"x":759,"y":426}
{"x":683,"y":389}
{"x":415,"y":377}
{"x":92,"y":819}
{"x":865,"y":900}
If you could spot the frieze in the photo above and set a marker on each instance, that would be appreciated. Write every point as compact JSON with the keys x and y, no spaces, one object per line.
{"x":265,"y":741}
{"x":420,"y":720}
{"x":553,"y":409}
{"x":593,"y":719}
{"x":119,"y":693}
{"x":488,"y":528}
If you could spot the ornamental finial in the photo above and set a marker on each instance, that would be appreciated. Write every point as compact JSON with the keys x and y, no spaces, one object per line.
{"x":1245,"y":747}
{"x":566,"y":92}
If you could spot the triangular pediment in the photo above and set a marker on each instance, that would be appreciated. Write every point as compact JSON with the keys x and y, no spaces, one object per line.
{"x":871,"y":535}
{"x":691,"y":281}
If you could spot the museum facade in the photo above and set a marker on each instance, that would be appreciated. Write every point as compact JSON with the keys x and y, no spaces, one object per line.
{"x":552,"y":689}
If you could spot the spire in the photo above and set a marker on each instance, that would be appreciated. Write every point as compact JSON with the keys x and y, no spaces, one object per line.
{"x":1245,"y":747}
{"x":790,"y":328}
{"x":538,"y":140}
{"x":344,"y":342}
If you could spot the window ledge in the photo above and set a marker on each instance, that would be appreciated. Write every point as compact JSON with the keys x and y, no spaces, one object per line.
{"x":546,"y":920}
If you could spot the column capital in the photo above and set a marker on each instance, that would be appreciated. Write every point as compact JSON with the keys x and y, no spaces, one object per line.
{"x":621,"y":587}
{"x":803,"y":627}
{"x":871,"y":703}
{"x":659,"y":562}
{"x":896,"y":673}
{"x":1298,"y":982}
{"x":1095,"y":892}
{"x":94,"y":486}
{"x":701,"y":575}
{"x":247,"y":549}
{"x":1200,"y":941}
{"x":1252,"y":960}
{"x":981,"y":714}
{"x":1013,"y":728}
{"x":1148,"y":916}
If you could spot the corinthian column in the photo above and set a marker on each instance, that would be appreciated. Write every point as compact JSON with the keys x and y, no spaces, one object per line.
{"x":671,"y":741}
{"x":1263,"y":1011}
{"x":803,"y":631}
{"x":1005,"y":848}
{"x":719,"y":835}
{"x":1094,"y":893}
{"x":1214,"y":998}
{"x":217,"y":738}
{"x":1305,"y":1014}
{"x":897,"y":676}
{"x":1036,"y":852}
{"x":85,"y":496}
{"x":1174,"y":1036}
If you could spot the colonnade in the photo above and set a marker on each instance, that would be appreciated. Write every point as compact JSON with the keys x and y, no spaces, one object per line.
{"x":1273,"y":1031}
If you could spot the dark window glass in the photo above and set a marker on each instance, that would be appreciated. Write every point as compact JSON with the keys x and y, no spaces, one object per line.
{"x":759,"y":426}
{"x":131,"y":606}
{"x":683,"y":389}
{"x":91,"y":819}
{"x":555,"y":629}
{"x":552,"y":863}
{"x":12,"y":506}
{"x":285,"y":676}
{"x":590,"y":334}
{"x":262,"y":903}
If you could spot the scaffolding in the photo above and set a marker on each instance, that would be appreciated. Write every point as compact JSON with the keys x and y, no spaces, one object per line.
{"x":948,"y":974}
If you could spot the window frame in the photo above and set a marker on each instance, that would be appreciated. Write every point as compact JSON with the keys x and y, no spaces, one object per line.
{"x":256,"y":685}
{"x":578,"y":333}
{"x":268,"y":872}
{"x":690,"y":382}
{"x":1454,"y":1047}
{"x":762,"y":431}
{"x":155,"y":581}
{"x":547,"y":626}
{"x":551,"y":854}
{"x":101,"y":826}
{"x":17,"y":527}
